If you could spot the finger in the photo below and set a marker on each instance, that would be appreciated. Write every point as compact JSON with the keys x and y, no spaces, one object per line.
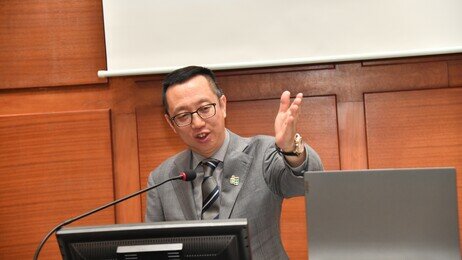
{"x":298,"y":99}
{"x":294,"y":110}
{"x":295,"y":107}
{"x":285,"y":101}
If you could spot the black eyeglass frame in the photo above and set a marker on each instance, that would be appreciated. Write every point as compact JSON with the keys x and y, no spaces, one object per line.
{"x":213,"y":105}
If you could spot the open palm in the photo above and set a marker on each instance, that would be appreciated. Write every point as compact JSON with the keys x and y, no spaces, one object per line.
{"x":285,"y":124}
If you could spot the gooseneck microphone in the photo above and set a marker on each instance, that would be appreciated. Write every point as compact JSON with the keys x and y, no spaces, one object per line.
{"x":185,"y":176}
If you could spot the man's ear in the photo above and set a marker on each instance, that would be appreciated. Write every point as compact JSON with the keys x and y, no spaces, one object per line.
{"x":170,"y":123}
{"x":222,"y":102}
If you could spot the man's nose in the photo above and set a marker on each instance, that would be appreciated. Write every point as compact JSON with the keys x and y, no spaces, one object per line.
{"x":197,"y":121}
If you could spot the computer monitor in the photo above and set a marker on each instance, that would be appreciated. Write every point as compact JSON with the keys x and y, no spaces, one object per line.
{"x":213,"y":239}
{"x":382,"y":214}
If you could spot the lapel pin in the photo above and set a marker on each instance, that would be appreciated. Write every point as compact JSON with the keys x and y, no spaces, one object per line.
{"x":234,"y":180}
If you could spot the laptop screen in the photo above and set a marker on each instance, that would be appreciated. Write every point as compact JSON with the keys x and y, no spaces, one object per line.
{"x":382,"y":214}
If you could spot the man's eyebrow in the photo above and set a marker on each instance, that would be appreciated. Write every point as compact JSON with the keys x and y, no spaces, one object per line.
{"x":179,"y":109}
{"x":184,"y":107}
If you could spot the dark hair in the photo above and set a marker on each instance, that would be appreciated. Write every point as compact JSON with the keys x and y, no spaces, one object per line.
{"x":184,"y":74}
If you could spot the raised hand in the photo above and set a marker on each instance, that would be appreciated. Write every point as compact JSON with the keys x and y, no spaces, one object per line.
{"x":285,"y":125}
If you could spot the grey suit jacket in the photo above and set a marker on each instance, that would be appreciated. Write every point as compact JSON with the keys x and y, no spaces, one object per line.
{"x":264,"y":181}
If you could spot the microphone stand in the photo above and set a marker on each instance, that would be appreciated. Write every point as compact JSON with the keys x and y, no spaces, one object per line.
{"x":69,"y":221}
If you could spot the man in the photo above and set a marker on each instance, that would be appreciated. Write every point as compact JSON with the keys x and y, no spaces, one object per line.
{"x":237,"y":177}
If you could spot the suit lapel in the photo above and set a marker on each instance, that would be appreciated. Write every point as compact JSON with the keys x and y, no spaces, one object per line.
{"x":236,"y":164}
{"x":183,"y":189}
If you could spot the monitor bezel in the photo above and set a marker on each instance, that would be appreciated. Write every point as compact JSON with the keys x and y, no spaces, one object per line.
{"x":192,"y":228}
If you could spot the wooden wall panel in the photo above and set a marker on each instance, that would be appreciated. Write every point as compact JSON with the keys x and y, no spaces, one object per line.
{"x":317,"y":124}
{"x":124,"y":97}
{"x":352,"y":135}
{"x":50,"y":43}
{"x":53,"y":166}
{"x":49,"y":100}
{"x":126,"y":167}
{"x":348,"y":81}
{"x":156,"y":142}
{"x":455,"y":73}
{"x":270,"y":84}
{"x":416,"y":129}
{"x":156,"y":139}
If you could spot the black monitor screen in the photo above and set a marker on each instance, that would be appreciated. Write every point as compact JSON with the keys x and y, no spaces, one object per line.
{"x":214,"y":239}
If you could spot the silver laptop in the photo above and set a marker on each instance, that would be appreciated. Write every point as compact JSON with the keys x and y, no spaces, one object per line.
{"x":382,"y":214}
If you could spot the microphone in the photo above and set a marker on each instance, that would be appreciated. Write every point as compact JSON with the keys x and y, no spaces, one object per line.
{"x":185,"y":176}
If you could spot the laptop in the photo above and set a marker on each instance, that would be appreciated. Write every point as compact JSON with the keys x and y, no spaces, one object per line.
{"x":382,"y":214}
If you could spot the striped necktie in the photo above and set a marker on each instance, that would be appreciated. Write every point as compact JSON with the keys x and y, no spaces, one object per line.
{"x":210,"y":191}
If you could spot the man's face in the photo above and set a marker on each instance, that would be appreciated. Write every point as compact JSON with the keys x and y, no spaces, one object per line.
{"x":203,"y":136}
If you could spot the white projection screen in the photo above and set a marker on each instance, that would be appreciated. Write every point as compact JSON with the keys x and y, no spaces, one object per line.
{"x":158,"y":36}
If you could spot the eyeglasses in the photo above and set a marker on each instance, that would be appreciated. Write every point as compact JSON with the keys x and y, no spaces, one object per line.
{"x":204,"y":112}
